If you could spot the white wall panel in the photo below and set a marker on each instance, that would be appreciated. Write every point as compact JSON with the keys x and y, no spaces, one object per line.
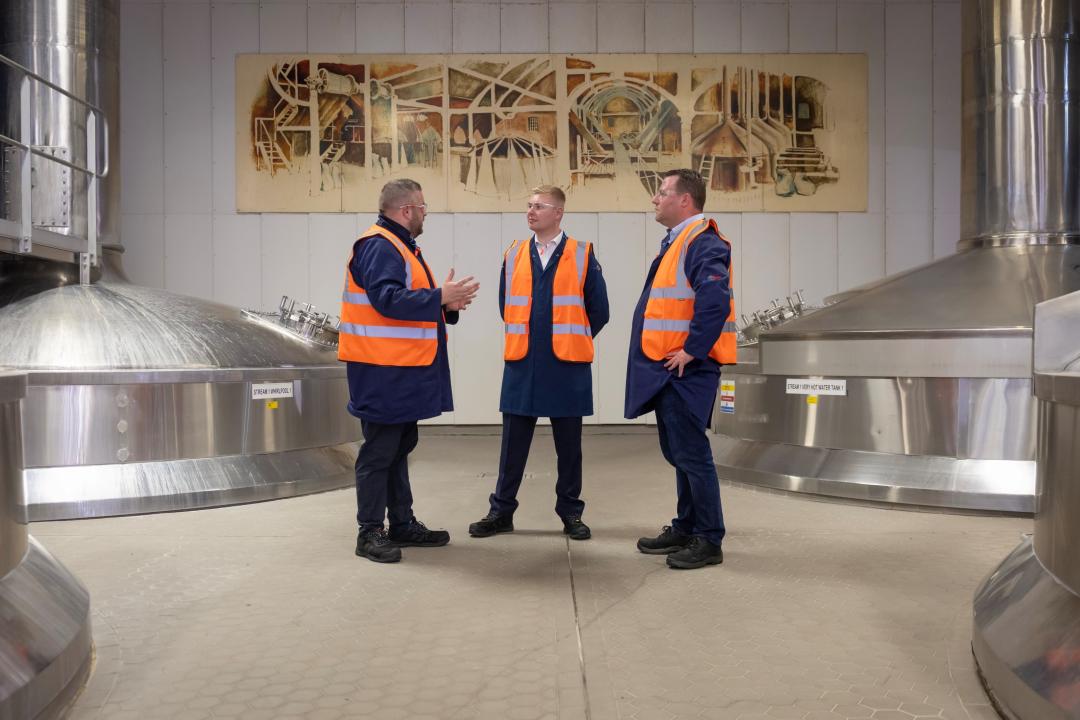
{"x":717,"y":26}
{"x":669,"y":27}
{"x":330,"y":240}
{"x":437,"y":245}
{"x":286,"y":259}
{"x":189,"y":255}
{"x":765,"y":260}
{"x":380,"y":27}
{"x":814,"y":255}
{"x":764,"y":27}
{"x":572,"y":27}
{"x":142,"y":157}
{"x":234,"y":30}
{"x":908,"y":135}
{"x":620,"y":27}
{"x":282,"y":27}
{"x":524,"y":28}
{"x":478,"y":345}
{"x":476,"y":28}
{"x":861,"y":244}
{"x":331,"y":28}
{"x":238,"y":261}
{"x":946,"y":128}
{"x":861,"y":28}
{"x":188,"y":129}
{"x":144,"y":248}
{"x":813,"y":26}
{"x":624,"y":259}
{"x":427,"y":27}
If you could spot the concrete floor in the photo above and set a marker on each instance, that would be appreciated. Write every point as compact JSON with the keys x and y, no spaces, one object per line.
{"x":821,"y":611}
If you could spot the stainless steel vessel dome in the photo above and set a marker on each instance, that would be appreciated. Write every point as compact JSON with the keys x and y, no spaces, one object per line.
{"x":138,"y":399}
{"x":935,"y":363}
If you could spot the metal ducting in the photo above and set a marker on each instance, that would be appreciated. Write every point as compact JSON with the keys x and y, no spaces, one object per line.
{"x":1026,"y":636}
{"x":45,"y":646}
{"x":927,"y":374}
{"x":138,"y":399}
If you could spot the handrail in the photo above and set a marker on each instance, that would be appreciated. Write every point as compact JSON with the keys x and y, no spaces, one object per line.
{"x":97,"y":127}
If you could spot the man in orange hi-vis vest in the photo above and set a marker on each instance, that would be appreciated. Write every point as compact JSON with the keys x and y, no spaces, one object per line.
{"x":683,"y":331}
{"x":393,"y":338}
{"x":553,"y":301}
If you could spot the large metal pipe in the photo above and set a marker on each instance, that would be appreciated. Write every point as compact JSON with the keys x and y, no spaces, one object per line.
{"x":1021,"y":147}
{"x":74,"y":45}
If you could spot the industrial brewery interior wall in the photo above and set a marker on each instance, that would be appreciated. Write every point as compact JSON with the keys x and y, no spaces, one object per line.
{"x":182,"y":232}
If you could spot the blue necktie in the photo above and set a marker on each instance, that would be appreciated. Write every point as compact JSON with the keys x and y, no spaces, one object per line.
{"x":665,"y":242}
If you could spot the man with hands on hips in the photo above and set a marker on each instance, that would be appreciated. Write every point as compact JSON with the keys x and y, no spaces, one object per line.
{"x":393,"y":338}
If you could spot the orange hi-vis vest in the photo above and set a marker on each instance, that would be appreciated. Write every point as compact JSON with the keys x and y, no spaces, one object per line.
{"x":671,"y":303}
{"x":571,"y":335}
{"x":366,"y":336}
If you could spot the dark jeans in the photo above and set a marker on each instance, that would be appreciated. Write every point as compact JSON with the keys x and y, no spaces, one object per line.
{"x":685,"y":445}
{"x":517,"y":434}
{"x":382,"y":475}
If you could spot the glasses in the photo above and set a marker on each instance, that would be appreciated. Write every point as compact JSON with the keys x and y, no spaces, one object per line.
{"x":422,"y":206}
{"x":667,"y":193}
{"x":540,"y":206}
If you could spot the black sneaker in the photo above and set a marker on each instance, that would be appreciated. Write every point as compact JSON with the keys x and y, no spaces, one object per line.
{"x":576,"y":529}
{"x":699,"y":552}
{"x":416,"y":534}
{"x":492,"y":523}
{"x":374,"y":545}
{"x":668,"y":541}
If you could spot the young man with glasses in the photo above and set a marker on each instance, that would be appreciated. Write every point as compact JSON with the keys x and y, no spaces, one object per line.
{"x":393,"y":338}
{"x":683,"y":331}
{"x":553,"y":301}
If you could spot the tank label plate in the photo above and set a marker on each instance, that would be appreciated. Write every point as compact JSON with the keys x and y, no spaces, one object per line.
{"x":270,"y":390}
{"x":799,"y":386}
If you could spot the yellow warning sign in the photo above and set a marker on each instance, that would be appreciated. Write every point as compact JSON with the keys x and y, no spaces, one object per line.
{"x":271,"y":404}
{"x":811,"y":399}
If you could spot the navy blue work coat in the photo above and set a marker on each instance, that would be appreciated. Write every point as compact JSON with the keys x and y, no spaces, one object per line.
{"x":540,"y":384}
{"x":385,"y":394}
{"x":708,"y":263}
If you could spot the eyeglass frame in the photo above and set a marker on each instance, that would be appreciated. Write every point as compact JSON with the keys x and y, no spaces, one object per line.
{"x":422,"y":206}
{"x":539,"y":206}
{"x":668,"y":193}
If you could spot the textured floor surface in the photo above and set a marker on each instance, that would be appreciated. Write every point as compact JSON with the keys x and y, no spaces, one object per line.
{"x":821,"y":611}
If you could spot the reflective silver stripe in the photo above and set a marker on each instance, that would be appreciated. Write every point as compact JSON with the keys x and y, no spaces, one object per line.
{"x":730,"y":327}
{"x":582,"y":267}
{"x":355,"y":298}
{"x":680,"y":269}
{"x":515,"y":329}
{"x":676,"y":293}
{"x":667,"y":325}
{"x":508,"y":270}
{"x":383,"y":331}
{"x":517,"y":300}
{"x":567,"y":300}
{"x":565,"y":329}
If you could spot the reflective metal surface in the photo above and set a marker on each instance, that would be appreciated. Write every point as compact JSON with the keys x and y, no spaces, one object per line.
{"x":75,"y":45}
{"x":1026,"y":638}
{"x":59,"y":493}
{"x":45,"y":641}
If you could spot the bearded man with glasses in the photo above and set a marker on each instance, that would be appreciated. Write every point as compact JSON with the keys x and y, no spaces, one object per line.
{"x":553,"y":300}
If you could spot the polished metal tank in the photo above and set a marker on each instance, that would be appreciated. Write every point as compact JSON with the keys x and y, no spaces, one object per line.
{"x":928,"y":393}
{"x":138,"y":399}
{"x":1026,"y":636}
{"x":45,"y":645}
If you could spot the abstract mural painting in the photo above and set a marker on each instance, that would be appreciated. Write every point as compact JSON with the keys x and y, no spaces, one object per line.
{"x":768,"y":132}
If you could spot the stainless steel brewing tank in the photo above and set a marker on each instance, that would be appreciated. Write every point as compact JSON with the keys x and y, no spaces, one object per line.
{"x":931,"y":368}
{"x":141,"y":400}
{"x":45,"y":645}
{"x":1026,"y":636}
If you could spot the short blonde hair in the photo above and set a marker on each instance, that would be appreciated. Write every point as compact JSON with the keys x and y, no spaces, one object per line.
{"x":551,"y":191}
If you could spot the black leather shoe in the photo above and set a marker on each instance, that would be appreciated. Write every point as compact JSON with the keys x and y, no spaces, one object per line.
{"x":699,"y":552}
{"x":668,"y":541}
{"x":492,"y":523}
{"x":416,"y":534}
{"x":374,"y":545}
{"x":576,"y":529}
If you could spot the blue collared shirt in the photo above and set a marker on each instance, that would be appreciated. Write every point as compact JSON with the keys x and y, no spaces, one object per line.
{"x":388,"y":394}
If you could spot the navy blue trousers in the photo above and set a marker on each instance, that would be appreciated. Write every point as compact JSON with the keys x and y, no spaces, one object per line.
{"x":382,"y":475}
{"x":517,"y":434}
{"x":686,"y":446}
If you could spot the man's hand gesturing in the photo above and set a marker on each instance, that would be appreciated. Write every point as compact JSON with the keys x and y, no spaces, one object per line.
{"x":458,"y":295}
